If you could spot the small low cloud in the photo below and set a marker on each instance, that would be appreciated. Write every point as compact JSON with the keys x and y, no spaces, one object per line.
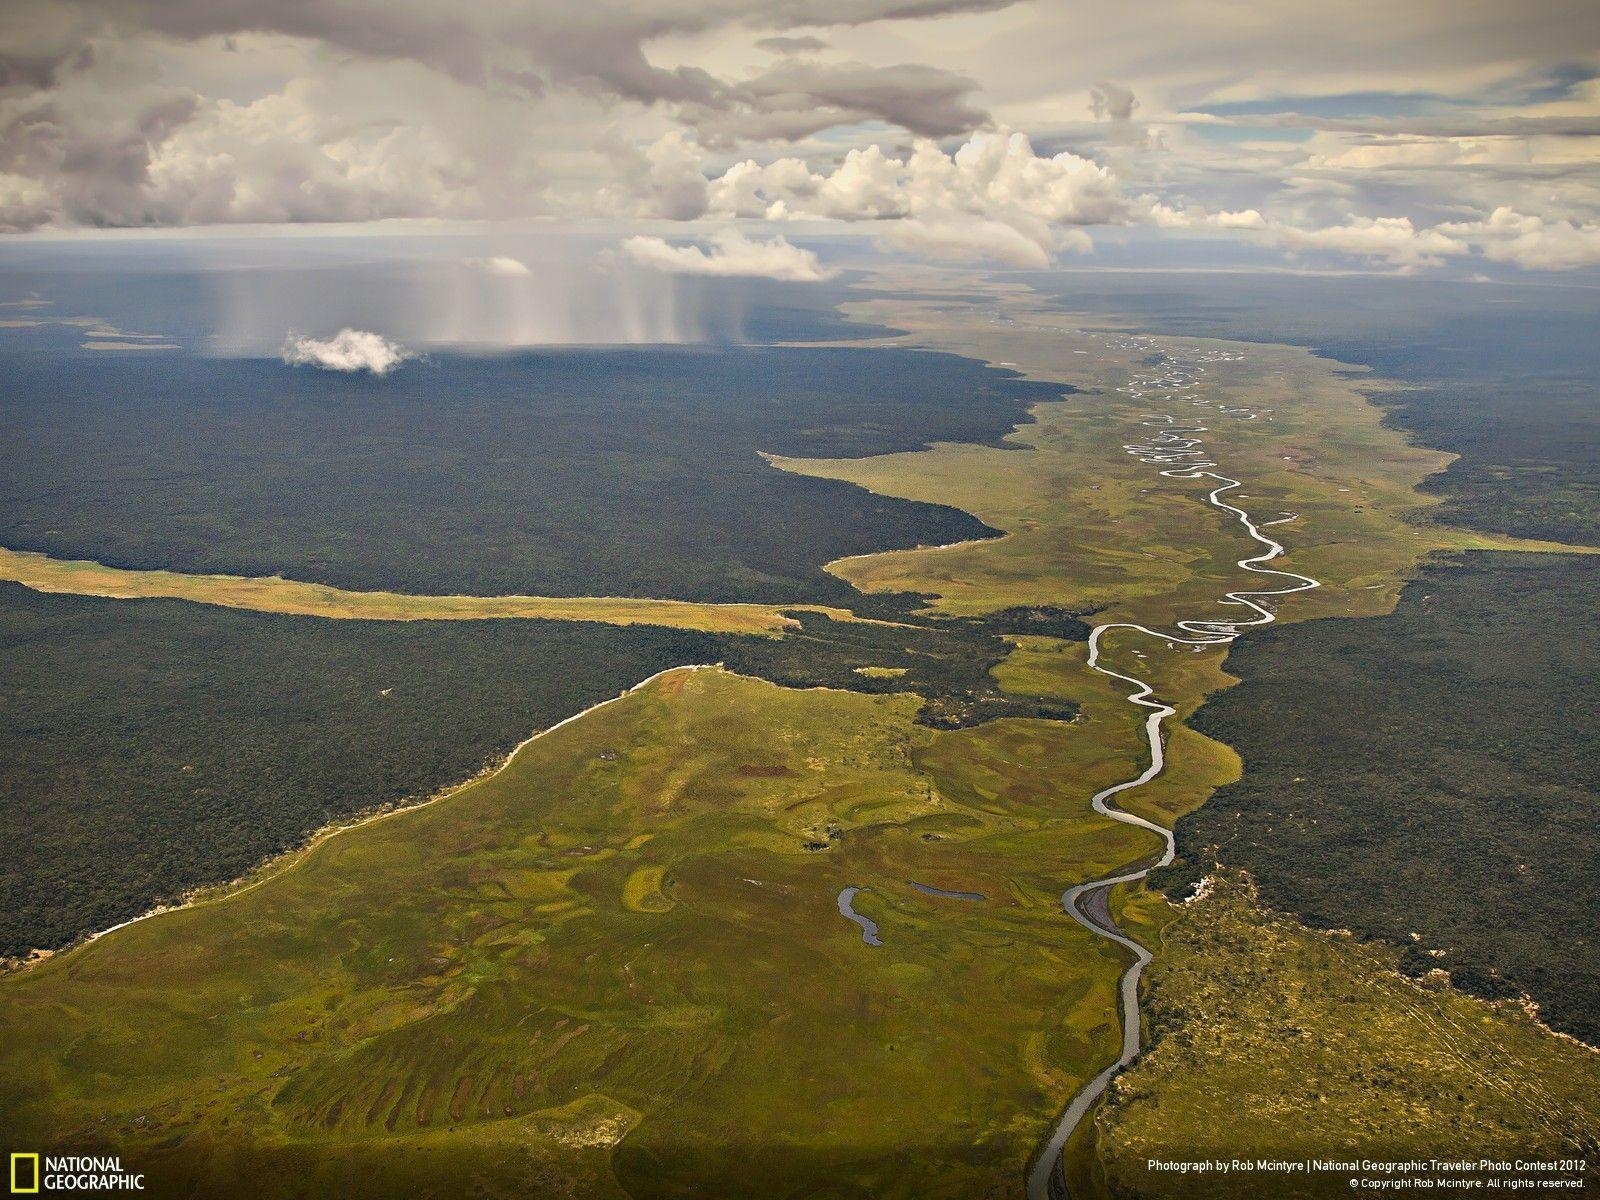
{"x":731,"y":254}
{"x":502,"y":264}
{"x":1195,"y":217}
{"x":347,"y":350}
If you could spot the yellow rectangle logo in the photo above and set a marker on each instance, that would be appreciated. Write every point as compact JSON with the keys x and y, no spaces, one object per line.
{"x":24,"y":1174}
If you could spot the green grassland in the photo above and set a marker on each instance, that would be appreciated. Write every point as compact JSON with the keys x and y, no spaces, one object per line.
{"x":151,"y":746}
{"x":1088,"y":526}
{"x":615,"y":968}
{"x":148,"y":747}
{"x":275,"y":594}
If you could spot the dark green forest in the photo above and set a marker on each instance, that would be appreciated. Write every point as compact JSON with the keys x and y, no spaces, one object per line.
{"x":945,"y":661}
{"x":151,"y":746}
{"x":1530,"y":457}
{"x":577,"y":472}
{"x":1429,"y":773}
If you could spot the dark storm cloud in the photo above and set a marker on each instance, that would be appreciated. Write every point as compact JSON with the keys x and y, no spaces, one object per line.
{"x":88,"y":147}
{"x":30,"y":70}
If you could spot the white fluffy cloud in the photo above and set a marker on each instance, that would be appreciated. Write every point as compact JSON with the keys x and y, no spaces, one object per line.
{"x":347,"y":350}
{"x":731,"y":254}
{"x":1524,"y":240}
{"x":993,"y":198}
{"x":1531,"y":242}
{"x":1197,"y":218}
{"x":1392,"y":240}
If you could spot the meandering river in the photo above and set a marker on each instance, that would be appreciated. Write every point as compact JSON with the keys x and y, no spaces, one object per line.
{"x":1177,"y":448}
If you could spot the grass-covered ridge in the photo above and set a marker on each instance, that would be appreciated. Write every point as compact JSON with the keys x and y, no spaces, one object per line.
{"x":276,"y":594}
{"x":152,"y":746}
{"x":617,"y":967}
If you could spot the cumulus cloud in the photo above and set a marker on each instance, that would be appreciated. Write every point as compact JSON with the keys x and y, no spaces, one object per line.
{"x":1525,"y":240}
{"x":111,"y":145}
{"x":1111,"y":101}
{"x":348,"y":350}
{"x":119,"y":113}
{"x":95,"y":128}
{"x":1339,"y":153}
{"x":1531,"y":242}
{"x":1392,"y":240}
{"x":731,"y":254}
{"x":674,"y":185}
{"x":1247,"y":218}
{"x":994,"y":197}
{"x":80,"y":150}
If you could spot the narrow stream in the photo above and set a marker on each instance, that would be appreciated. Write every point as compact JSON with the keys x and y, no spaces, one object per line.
{"x":944,"y":893}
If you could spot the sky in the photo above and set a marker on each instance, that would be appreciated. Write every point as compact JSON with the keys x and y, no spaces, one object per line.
{"x":715,"y":136}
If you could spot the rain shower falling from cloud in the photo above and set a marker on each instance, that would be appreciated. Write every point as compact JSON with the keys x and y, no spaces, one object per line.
{"x":544,"y":293}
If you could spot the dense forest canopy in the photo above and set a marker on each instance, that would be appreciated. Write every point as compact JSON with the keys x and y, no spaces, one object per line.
{"x":576,"y":472}
{"x":1429,"y":777}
